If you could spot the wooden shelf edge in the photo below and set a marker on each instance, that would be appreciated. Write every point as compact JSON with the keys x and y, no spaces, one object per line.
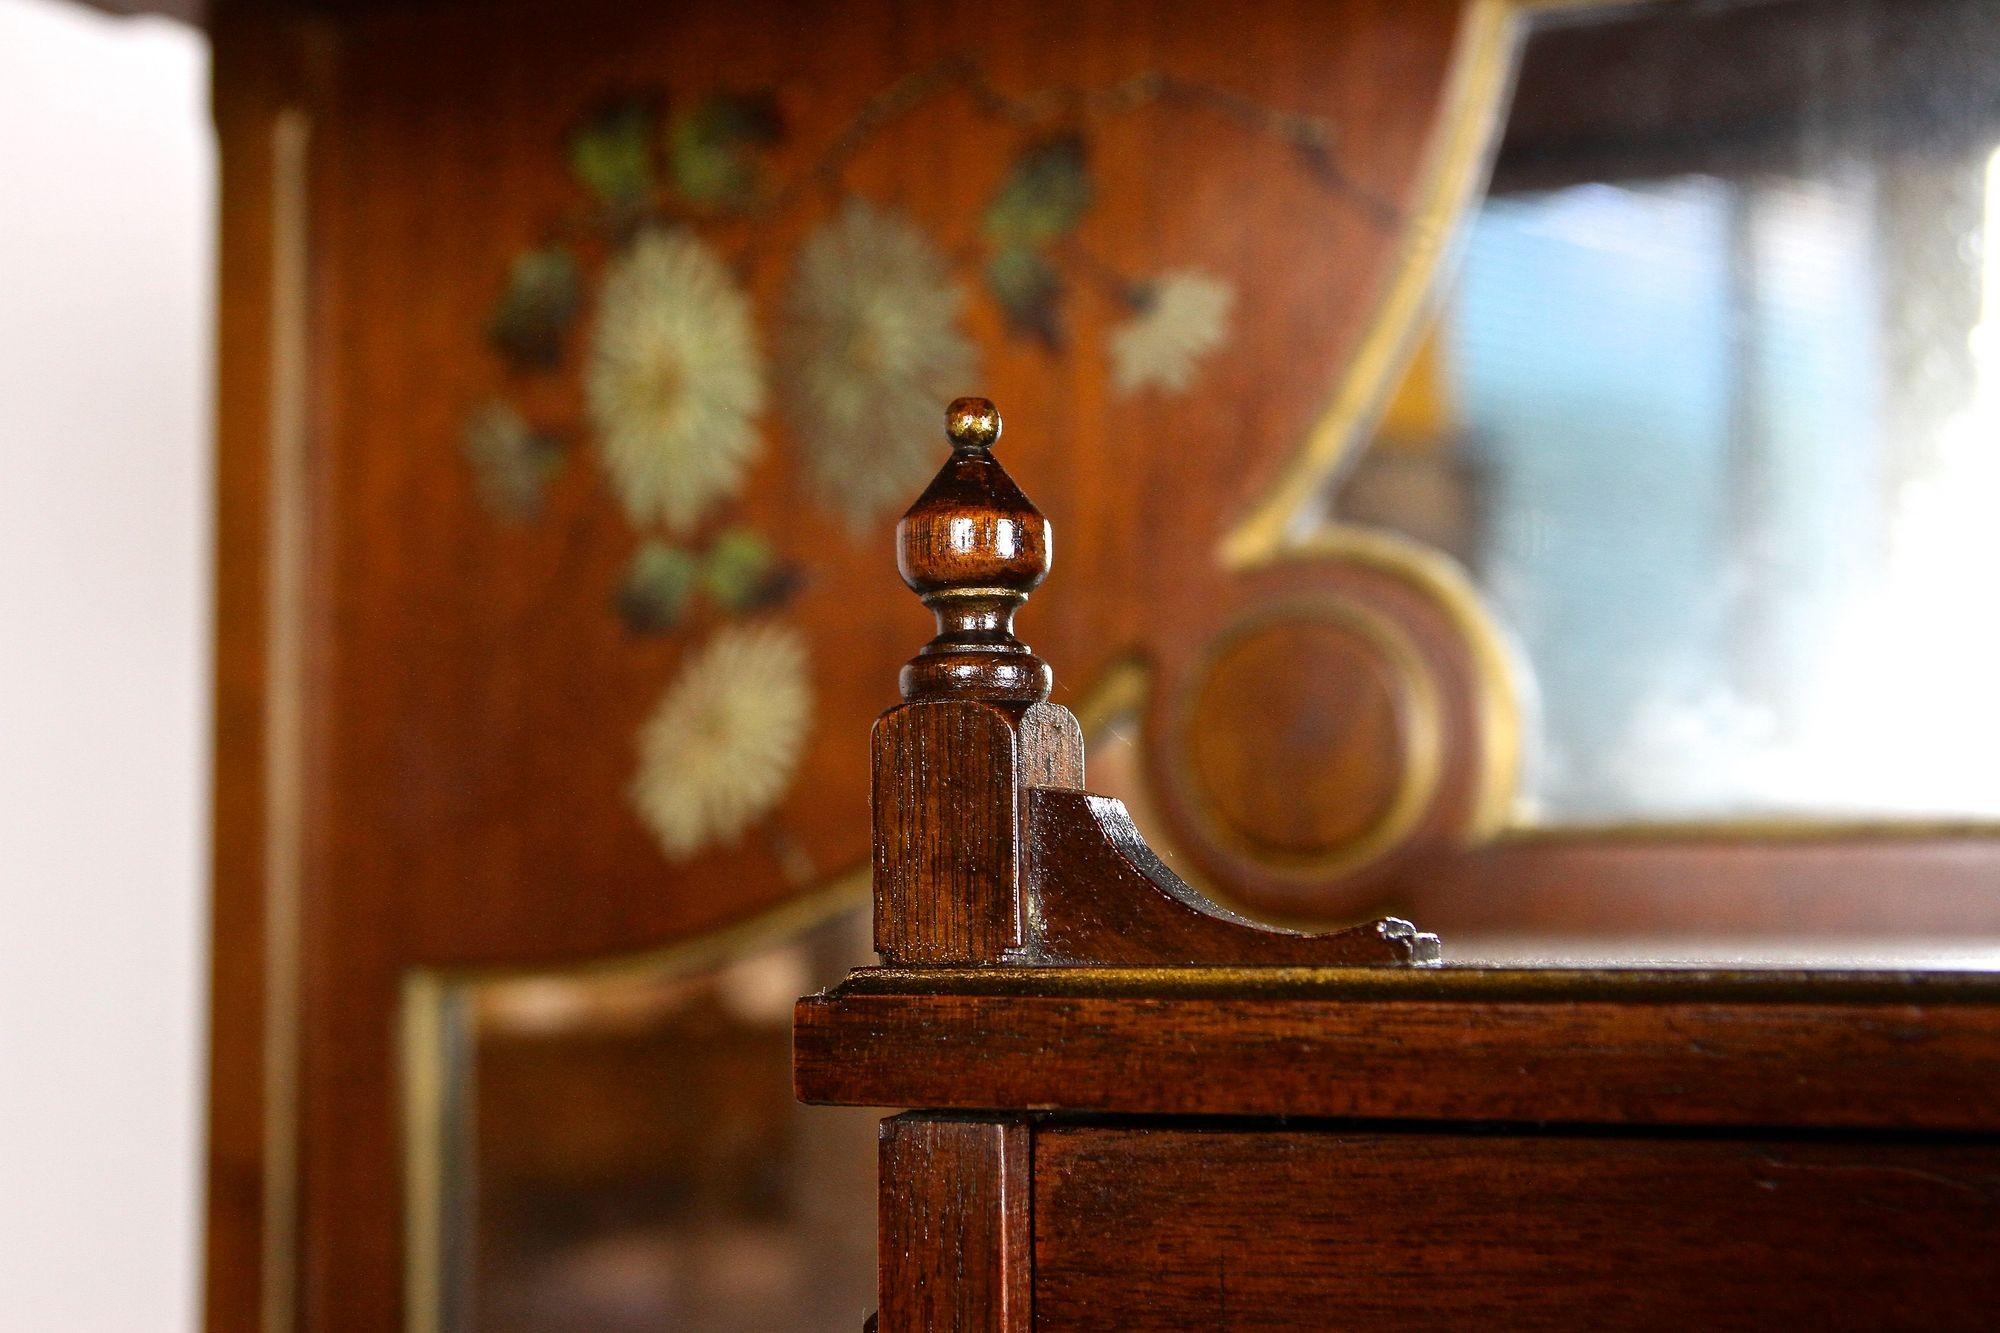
{"x":1849,"y":1053}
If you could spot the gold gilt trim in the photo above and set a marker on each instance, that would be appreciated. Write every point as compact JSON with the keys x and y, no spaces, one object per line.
{"x":1422,"y":738}
{"x":287,"y":559}
{"x":1477,"y":90}
{"x":1566,"y":985}
{"x":434,"y":1055}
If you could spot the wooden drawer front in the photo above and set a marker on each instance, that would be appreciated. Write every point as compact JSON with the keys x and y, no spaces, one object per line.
{"x":1197,"y":1229}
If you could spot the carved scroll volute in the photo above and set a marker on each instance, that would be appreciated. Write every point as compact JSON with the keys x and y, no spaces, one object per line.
{"x":986,"y":849}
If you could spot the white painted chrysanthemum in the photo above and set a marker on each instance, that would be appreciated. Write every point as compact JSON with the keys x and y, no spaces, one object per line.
{"x":723,"y":745}
{"x":869,"y":351}
{"x":675,"y":381}
{"x":1186,"y":317}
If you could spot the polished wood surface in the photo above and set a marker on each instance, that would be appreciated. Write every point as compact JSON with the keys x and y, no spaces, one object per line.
{"x":1894,"y":1051}
{"x":972,"y":548}
{"x":956,"y":1241}
{"x":950,"y":852}
{"x":1099,"y":895}
{"x":1139,"y":1228}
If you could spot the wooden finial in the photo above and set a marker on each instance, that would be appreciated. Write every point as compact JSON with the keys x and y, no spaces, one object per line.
{"x":973,"y":547}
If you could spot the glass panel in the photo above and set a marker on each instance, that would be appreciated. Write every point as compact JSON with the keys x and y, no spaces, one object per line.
{"x":1711,"y":413}
{"x":632,"y":1157}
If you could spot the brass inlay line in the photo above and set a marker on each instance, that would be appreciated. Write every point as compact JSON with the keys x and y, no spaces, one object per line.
{"x":288,"y":553}
{"x":1474,"y":102}
{"x":1692,"y":985}
{"x":1755,"y":828}
{"x":424,"y":1037}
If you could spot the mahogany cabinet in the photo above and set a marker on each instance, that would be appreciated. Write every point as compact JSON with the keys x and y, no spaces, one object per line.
{"x":505,"y":947}
{"x":1133,"y":1110}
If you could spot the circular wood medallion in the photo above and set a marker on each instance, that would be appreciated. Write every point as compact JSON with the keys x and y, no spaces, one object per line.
{"x":1311,"y":738}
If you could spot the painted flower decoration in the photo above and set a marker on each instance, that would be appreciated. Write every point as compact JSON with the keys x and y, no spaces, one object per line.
{"x":675,"y":382}
{"x":869,"y":345}
{"x":1183,"y":316}
{"x":722,"y":746}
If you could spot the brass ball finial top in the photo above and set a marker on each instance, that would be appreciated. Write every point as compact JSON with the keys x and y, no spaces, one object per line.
{"x":972,"y":423}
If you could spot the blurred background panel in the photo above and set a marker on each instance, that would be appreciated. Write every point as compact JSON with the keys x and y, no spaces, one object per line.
{"x":631,"y":1156}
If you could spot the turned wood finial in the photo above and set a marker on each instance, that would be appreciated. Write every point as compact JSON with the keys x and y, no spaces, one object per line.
{"x":973,"y":547}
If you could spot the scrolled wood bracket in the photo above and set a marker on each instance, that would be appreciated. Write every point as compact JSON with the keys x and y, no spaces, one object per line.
{"x":987,"y":848}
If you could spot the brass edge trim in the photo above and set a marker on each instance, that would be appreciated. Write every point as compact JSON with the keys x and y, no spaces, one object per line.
{"x":1423,"y":736}
{"x":1476,"y":88}
{"x":431,"y":1023}
{"x":287,"y":560}
{"x":1693,"y":986}
{"x":722,"y":944}
{"x":423,"y":1039}
{"x":1756,"y":829}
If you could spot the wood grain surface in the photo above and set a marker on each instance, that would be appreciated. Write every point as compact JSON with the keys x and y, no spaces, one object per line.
{"x":956,"y":1225}
{"x":1608,"y":1048}
{"x":1099,"y":895}
{"x":1141,"y":1229}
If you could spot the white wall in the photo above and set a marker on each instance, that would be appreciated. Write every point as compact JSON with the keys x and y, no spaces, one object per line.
{"x":106,"y":182}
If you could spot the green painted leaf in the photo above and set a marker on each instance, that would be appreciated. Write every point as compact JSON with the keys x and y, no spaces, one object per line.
{"x":715,"y":150}
{"x":1029,"y":291}
{"x":743,"y":574}
{"x":1043,"y":197}
{"x":611,"y":152}
{"x":657,"y":586}
{"x":543,"y":294}
{"x":511,"y":461}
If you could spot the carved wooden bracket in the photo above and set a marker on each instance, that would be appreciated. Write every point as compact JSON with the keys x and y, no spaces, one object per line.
{"x":987,"y":848}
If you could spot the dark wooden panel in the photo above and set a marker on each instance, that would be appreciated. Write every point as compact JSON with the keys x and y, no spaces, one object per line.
{"x":1630,"y":1048}
{"x":955,"y":1225}
{"x":1185,"y":1229}
{"x":946,"y":854}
